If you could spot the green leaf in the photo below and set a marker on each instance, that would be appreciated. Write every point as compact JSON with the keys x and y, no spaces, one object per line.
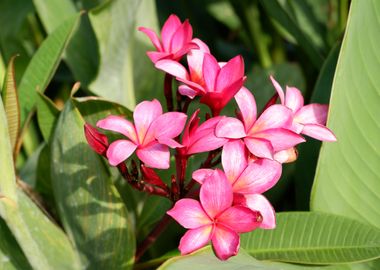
{"x":275,"y":10}
{"x":125,"y":71}
{"x":43,"y":65}
{"x":11,"y":106}
{"x":89,"y":205}
{"x":314,"y":238}
{"x":47,"y":115}
{"x":347,"y":177}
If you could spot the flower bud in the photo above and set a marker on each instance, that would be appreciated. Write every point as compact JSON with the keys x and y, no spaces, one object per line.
{"x":151,"y":177}
{"x":97,"y":140}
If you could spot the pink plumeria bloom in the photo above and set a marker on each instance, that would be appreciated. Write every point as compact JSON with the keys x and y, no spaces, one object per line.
{"x":176,"y":39}
{"x":310,"y":119}
{"x":263,"y":136}
{"x":147,"y":135}
{"x":248,"y":179}
{"x":199,"y":139}
{"x":214,"y":218}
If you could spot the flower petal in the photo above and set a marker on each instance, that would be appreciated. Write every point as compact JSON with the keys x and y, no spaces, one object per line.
{"x":312,"y":114}
{"x":155,"y":156}
{"x":258,"y":202}
{"x":234,"y":159}
{"x":156,"y":56}
{"x":286,"y":156}
{"x":210,"y":70}
{"x":201,"y":175}
{"x":258,"y":177}
{"x":240,"y":219}
{"x":230,"y":73}
{"x":191,"y":126}
{"x":169,"y":142}
{"x":153,"y":37}
{"x":279,"y":90}
{"x":204,"y":141}
{"x":293,"y":99}
{"x":319,"y":132}
{"x":173,"y":68}
{"x":259,"y":147}
{"x":145,"y":113}
{"x":181,"y":37}
{"x":170,"y":27}
{"x":189,"y":213}
{"x":120,"y":150}
{"x":195,"y":239}
{"x":229,"y":127}
{"x":119,"y":124}
{"x":225,"y":242}
{"x":247,"y":105}
{"x":185,"y":90}
{"x":280,"y":138}
{"x":216,"y":194}
{"x":168,"y":125}
{"x":275,"y":116}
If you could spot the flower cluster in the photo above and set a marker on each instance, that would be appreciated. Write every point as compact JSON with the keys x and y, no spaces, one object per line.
{"x":250,"y":146}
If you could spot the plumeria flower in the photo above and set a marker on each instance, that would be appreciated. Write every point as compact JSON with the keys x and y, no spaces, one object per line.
{"x":214,"y":218}
{"x":263,"y":136}
{"x":310,"y":119}
{"x":248,"y":179}
{"x":176,"y":39}
{"x":199,"y":139}
{"x":147,"y":135}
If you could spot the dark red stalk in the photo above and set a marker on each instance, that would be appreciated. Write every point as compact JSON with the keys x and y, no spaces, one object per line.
{"x":181,"y":164}
{"x":168,"y":92}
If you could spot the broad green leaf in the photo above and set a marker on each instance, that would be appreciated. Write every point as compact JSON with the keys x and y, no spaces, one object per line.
{"x":47,"y":115}
{"x":11,"y":256}
{"x":89,"y":205}
{"x":224,"y":12}
{"x":11,"y":106}
{"x":314,"y":238}
{"x":28,"y":172}
{"x":43,"y":65}
{"x":2,"y":71}
{"x":275,"y":10}
{"x":347,"y":177}
{"x":125,"y":72}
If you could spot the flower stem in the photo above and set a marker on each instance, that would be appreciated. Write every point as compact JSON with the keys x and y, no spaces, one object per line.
{"x":168,"y":92}
{"x":181,"y":164}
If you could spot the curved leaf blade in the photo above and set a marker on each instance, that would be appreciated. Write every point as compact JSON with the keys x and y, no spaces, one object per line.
{"x":347,"y":177}
{"x":314,"y":238}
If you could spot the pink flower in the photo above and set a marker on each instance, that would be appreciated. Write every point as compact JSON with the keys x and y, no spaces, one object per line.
{"x":147,"y":136}
{"x":310,"y":119}
{"x":263,"y":136}
{"x":216,"y":82}
{"x":214,"y":218}
{"x":199,"y":139}
{"x":176,"y":39}
{"x":248,"y":179}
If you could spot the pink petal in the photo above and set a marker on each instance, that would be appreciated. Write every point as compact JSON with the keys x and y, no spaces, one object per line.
{"x":169,"y":125}
{"x":234,"y":159}
{"x":293,"y":99}
{"x":153,"y":37}
{"x":173,"y":68}
{"x":184,"y":50}
{"x":280,"y":138}
{"x":258,"y":202}
{"x":195,"y":239}
{"x":229,"y":127}
{"x":181,"y":37}
{"x":247,"y":105}
{"x":169,"y":142}
{"x":210,"y":71}
{"x":259,"y":147}
{"x":312,"y":114}
{"x":145,"y":113}
{"x":319,"y":132}
{"x":195,"y":62}
{"x":204,"y":141}
{"x":189,"y":213}
{"x":156,"y":56}
{"x":201,"y":175}
{"x":187,"y":91}
{"x":170,"y":27}
{"x":119,"y":124}
{"x":230,"y":73}
{"x":258,"y":177}
{"x":155,"y":156}
{"x":210,"y":123}
{"x":286,"y":156}
{"x":216,"y":194}
{"x":276,"y":116}
{"x":240,"y":219}
{"x":225,"y":242}
{"x":201,"y":45}
{"x":120,"y":150}
{"x":191,"y":126}
{"x":279,"y":90}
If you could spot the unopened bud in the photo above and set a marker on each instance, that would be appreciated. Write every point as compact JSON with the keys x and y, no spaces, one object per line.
{"x":97,"y":141}
{"x":151,"y":177}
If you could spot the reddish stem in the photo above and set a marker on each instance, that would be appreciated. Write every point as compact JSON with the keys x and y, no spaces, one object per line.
{"x":168,"y":92}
